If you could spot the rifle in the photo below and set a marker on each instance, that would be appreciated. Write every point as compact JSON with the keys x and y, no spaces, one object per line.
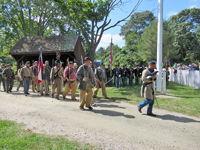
{"x":69,"y":72}
{"x":88,"y":80}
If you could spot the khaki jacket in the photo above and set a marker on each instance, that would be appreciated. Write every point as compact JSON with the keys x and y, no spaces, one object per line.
{"x":27,"y":72}
{"x":147,"y":91}
{"x":54,"y":70}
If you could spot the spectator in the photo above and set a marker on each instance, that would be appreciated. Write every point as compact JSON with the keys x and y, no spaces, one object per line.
{"x":175,"y":66}
{"x":179,"y":67}
{"x":192,"y":68}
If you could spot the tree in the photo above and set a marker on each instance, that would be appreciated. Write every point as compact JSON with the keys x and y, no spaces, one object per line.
{"x":147,"y":45}
{"x":185,"y":26}
{"x":132,"y":31}
{"x":92,"y":18}
{"x":21,"y":18}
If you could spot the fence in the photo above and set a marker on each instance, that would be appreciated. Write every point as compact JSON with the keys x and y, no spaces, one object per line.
{"x":186,"y":77}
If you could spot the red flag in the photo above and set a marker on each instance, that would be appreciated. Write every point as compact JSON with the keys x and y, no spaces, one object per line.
{"x":111,"y":54}
{"x":40,"y":67}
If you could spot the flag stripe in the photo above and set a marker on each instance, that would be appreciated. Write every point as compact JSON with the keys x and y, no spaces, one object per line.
{"x":40,"y":67}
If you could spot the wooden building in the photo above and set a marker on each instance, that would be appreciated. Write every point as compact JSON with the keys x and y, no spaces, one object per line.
{"x":28,"y":49}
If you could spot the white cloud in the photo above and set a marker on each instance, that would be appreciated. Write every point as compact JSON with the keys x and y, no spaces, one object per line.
{"x":171,"y":13}
{"x":106,"y":40}
{"x":193,"y":6}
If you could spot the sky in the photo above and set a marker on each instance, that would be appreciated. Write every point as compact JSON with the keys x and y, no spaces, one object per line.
{"x":170,"y":8}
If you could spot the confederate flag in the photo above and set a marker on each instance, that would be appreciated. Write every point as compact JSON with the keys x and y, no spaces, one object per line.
{"x":40,"y":67}
{"x":111,"y":55}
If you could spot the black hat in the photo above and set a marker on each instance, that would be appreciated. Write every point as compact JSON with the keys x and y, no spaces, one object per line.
{"x":28,"y":62}
{"x":86,"y":58}
{"x":101,"y":64}
{"x":35,"y":62}
{"x":57,"y":62}
{"x":152,"y":62}
{"x":118,"y":65}
{"x":108,"y":65}
{"x":137,"y":65}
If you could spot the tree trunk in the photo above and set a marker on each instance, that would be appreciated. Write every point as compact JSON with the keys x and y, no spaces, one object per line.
{"x":92,"y":53}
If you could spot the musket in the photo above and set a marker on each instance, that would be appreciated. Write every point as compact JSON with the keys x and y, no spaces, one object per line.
{"x":69,"y":72}
{"x":88,"y":80}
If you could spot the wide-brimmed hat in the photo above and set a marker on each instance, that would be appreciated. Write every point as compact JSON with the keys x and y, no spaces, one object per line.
{"x":86,"y":58}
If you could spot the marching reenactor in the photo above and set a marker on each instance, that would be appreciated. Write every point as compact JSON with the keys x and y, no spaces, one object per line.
{"x":2,"y":78}
{"x":70,"y":81}
{"x":109,"y":74}
{"x":137,"y":74}
{"x":62,"y":80}
{"x":93,"y":81}
{"x":131,"y":75}
{"x":20,"y":83}
{"x":55,"y":77}
{"x":85,"y":84}
{"x":35,"y":72}
{"x":9,"y":77}
{"x":48,"y":71}
{"x":114,"y":72}
{"x":26,"y":75}
{"x":101,"y":79}
{"x":44,"y":82}
{"x":125,"y":75}
{"x":147,"y":89}
{"x":118,"y":76}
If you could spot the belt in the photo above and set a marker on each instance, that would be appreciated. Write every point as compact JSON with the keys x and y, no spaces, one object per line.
{"x":26,"y":77}
{"x":72,"y":79}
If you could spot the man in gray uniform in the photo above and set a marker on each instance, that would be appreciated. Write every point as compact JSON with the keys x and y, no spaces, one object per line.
{"x":48,"y":71}
{"x":9,"y":77}
{"x":2,"y":78}
{"x":101,"y":79}
{"x":85,"y":84}
{"x":147,"y":89}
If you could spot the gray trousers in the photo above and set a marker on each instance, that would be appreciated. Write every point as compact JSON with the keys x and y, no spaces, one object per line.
{"x":9,"y":84}
{"x":26,"y":83}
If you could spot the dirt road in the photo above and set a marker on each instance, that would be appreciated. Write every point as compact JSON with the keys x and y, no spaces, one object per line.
{"x":111,"y":125}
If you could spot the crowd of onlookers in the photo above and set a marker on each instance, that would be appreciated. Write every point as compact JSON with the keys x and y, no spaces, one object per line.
{"x":191,"y":67}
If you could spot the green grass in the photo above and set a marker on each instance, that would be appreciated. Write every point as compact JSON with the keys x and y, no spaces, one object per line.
{"x":188,"y":102}
{"x":12,"y":136}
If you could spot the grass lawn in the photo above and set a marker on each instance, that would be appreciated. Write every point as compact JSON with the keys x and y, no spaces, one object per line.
{"x":188,"y":102}
{"x":12,"y":136}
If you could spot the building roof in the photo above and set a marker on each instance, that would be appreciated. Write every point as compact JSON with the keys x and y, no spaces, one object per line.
{"x":65,"y":43}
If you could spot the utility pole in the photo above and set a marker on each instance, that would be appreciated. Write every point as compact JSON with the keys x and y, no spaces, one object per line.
{"x":159,"y":44}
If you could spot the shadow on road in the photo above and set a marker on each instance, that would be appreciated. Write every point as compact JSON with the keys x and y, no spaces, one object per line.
{"x":177,"y":118}
{"x":109,"y":106}
{"x":112,"y":113}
